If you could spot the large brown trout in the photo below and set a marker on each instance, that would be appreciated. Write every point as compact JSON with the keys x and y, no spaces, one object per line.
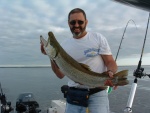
{"x":76,"y":71}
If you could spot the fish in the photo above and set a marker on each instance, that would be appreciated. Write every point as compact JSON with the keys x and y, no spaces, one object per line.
{"x":76,"y":71}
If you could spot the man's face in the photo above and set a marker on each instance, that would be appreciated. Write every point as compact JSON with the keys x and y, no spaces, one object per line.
{"x":77,"y":24}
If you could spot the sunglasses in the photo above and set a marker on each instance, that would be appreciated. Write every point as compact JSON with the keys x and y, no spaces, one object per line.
{"x":73,"y":22}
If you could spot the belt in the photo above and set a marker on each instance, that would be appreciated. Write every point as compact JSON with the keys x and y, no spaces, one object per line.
{"x":91,"y":90}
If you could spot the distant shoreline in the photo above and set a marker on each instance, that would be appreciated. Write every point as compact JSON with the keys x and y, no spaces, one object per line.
{"x":24,"y":66}
{"x":43,"y":66}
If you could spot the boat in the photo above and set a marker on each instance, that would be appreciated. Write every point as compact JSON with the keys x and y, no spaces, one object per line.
{"x":57,"y":106}
{"x":140,"y":4}
{"x":27,"y":103}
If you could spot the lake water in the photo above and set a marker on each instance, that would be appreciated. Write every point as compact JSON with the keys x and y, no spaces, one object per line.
{"x":46,"y":87}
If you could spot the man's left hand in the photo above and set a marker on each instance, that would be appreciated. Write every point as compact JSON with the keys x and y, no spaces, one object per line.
{"x":108,"y":82}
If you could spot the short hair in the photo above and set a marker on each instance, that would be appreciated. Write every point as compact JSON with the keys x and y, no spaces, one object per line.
{"x":76,"y":10}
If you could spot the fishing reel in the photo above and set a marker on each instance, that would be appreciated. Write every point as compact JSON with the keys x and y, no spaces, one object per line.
{"x":5,"y":106}
{"x":26,"y":103}
{"x":138,"y":73}
{"x":30,"y":108}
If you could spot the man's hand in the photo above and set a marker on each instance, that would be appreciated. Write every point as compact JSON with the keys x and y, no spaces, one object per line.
{"x":108,"y":82}
{"x":42,"y":48}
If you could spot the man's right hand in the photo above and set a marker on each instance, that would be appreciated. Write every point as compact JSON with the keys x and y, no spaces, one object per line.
{"x":54,"y":66}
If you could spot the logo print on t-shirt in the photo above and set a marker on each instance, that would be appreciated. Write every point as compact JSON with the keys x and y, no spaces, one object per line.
{"x":91,"y":52}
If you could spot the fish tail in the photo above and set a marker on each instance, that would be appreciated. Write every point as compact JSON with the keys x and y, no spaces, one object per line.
{"x":122,"y":82}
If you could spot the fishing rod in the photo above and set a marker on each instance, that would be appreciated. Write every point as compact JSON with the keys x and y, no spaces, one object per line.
{"x":1,"y":89}
{"x":2,"y":96}
{"x":123,"y":37}
{"x":110,"y":88}
{"x":5,"y":106}
{"x":138,"y":73}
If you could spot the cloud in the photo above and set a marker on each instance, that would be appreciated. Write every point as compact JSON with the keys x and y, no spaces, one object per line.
{"x":23,"y":21}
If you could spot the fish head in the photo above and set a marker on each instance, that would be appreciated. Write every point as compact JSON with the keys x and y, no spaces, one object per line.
{"x":53,"y":45}
{"x":49,"y":49}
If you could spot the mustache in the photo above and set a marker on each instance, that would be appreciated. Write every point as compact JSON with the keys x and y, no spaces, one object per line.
{"x":77,"y":28}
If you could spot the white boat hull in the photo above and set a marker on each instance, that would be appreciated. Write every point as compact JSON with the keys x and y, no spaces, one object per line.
{"x":57,"y":106}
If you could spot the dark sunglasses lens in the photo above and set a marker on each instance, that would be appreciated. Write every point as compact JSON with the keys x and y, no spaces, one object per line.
{"x":73,"y":22}
{"x":80,"y":22}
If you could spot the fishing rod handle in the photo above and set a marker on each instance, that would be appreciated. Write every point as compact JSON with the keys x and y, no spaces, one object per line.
{"x":131,"y":98}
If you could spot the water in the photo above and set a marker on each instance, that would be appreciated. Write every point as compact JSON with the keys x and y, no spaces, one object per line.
{"x":46,"y":86}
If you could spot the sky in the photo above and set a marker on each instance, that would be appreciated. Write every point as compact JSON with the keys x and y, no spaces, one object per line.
{"x":23,"y":21}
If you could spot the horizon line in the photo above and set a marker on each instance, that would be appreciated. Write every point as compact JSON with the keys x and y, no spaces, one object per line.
{"x":6,"y":66}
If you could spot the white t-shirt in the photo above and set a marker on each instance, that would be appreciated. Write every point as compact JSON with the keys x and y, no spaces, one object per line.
{"x":88,"y":50}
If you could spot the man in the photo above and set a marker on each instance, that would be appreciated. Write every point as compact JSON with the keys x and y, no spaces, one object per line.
{"x":93,"y":50}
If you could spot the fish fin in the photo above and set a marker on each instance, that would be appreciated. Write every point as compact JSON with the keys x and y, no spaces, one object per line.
{"x":85,"y":66}
{"x":122,"y":82}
